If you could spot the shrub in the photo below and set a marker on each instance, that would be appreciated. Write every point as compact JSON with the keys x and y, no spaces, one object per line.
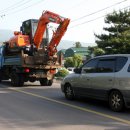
{"x":74,"y":61}
{"x":62,"y":73}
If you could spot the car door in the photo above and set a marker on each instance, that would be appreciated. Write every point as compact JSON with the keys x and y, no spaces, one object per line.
{"x":85,"y":77}
{"x":103,"y":79}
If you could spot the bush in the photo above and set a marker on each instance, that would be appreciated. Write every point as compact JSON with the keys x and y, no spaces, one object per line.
{"x":62,"y":73}
{"x":69,"y":62}
{"x":74,"y":61}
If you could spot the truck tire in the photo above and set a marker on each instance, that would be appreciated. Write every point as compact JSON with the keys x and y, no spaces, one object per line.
{"x":17,"y":80}
{"x":46,"y":82}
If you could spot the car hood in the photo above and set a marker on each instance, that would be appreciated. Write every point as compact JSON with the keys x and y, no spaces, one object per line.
{"x":70,"y":77}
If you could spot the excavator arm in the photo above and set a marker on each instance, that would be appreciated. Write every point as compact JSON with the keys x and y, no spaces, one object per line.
{"x":46,"y":18}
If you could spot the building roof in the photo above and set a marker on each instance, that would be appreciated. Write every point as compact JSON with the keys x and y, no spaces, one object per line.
{"x":79,"y":49}
{"x":83,"y":51}
{"x":61,"y":51}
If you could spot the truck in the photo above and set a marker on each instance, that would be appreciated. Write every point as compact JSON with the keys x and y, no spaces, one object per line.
{"x":30,"y":55}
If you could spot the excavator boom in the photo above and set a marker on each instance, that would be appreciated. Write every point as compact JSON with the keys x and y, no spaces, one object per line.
{"x":46,"y":18}
{"x":57,"y":37}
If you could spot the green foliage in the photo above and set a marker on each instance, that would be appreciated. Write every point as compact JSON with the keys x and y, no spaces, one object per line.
{"x":74,"y":61}
{"x":62,"y":73}
{"x":69,"y":62}
{"x":117,"y":38}
{"x":96,"y":51}
{"x":77,"y":60}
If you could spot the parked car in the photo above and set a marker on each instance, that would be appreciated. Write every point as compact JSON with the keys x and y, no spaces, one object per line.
{"x":104,"y":78}
{"x":71,"y":70}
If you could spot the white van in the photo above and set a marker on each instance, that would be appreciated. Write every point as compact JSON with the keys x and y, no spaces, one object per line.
{"x":104,"y":78}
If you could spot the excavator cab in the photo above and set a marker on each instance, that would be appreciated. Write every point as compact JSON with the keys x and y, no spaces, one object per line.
{"x":29,"y":28}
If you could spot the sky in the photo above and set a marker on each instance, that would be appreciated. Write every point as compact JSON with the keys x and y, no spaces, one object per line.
{"x":85,"y":15}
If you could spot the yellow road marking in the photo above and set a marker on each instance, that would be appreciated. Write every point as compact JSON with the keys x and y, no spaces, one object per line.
{"x":74,"y":106}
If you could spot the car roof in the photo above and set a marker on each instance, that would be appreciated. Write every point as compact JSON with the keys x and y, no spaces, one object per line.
{"x":113,"y":55}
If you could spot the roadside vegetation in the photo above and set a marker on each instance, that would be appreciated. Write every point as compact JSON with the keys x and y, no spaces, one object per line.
{"x":75,"y":61}
{"x":62,"y":73}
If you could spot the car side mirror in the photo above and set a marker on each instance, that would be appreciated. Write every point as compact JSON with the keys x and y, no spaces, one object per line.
{"x":77,"y":70}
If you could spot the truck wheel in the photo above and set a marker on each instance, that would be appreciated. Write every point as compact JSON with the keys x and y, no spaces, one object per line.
{"x":17,"y":80}
{"x":46,"y":82}
{"x":50,"y":82}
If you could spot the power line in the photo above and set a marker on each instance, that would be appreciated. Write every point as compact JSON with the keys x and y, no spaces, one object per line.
{"x":87,"y":21}
{"x":74,"y":6}
{"x":11,"y":6}
{"x":14,"y":6}
{"x":95,"y":19}
{"x":22,"y":9}
{"x":98,"y":11}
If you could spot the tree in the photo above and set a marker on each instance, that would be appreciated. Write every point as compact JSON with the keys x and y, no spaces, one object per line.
{"x":74,"y":61}
{"x":77,"y":60}
{"x":68,"y":62}
{"x":96,"y":51}
{"x":117,"y":39}
{"x":78,"y":44}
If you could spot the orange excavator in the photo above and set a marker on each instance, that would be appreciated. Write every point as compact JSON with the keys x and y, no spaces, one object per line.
{"x":32,"y":35}
{"x":30,"y":55}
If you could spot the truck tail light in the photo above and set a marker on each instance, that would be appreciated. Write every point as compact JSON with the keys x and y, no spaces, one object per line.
{"x":53,"y":71}
{"x":27,"y":70}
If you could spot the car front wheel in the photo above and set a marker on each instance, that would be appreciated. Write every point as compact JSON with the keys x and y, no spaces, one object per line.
{"x":69,"y":93}
{"x":116,"y":101}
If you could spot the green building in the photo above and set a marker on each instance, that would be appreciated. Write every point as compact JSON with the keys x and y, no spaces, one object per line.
{"x":83,"y":51}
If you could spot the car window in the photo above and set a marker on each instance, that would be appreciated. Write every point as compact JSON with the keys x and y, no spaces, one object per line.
{"x":120,"y":62}
{"x":106,"y":65}
{"x":90,"y":66}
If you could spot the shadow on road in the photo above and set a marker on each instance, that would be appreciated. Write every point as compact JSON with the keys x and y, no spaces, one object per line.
{"x":26,"y":84}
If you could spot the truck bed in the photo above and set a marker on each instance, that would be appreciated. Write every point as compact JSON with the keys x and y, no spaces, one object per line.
{"x":28,"y":61}
{"x":12,"y":60}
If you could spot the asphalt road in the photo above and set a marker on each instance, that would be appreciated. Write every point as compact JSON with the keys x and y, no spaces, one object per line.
{"x":44,"y":108}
